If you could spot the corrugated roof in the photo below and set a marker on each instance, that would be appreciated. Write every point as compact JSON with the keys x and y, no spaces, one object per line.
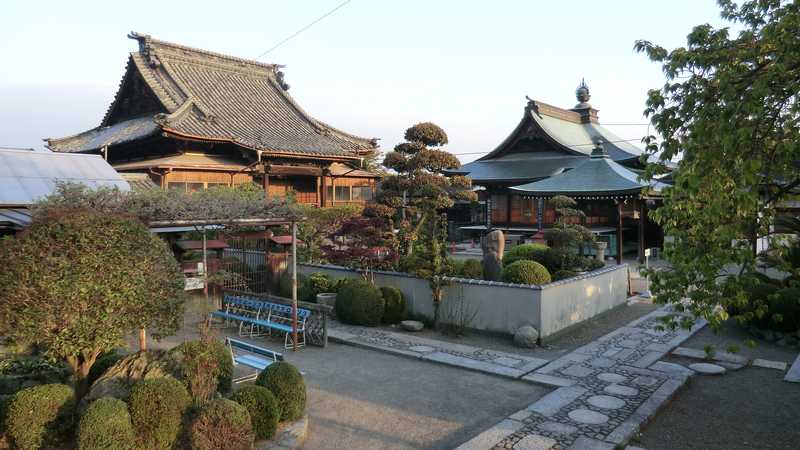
{"x":596,"y":175}
{"x":14,"y":218}
{"x":26,"y":176}
{"x":217,"y":97}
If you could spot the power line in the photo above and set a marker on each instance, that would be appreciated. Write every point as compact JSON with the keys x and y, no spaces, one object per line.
{"x":317,"y":20}
{"x":571,"y":145}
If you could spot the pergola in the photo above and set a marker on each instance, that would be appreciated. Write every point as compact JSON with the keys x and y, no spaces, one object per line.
{"x":204,"y":224}
{"x":597,"y":178}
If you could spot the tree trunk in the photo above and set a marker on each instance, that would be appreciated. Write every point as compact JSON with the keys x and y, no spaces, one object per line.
{"x":81,"y":365}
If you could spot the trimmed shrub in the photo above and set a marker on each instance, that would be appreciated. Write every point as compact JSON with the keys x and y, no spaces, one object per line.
{"x":106,"y":425}
{"x":157,"y":408}
{"x":360,"y":303}
{"x":265,"y":412}
{"x":288,"y":387}
{"x":473,"y":269}
{"x":395,"y":304}
{"x":319,"y":282}
{"x":101,"y":365}
{"x":221,"y":425}
{"x":526,"y":272}
{"x":524,"y":251}
{"x":214,"y":357}
{"x":40,"y":416}
{"x":222,"y":355}
{"x":563,"y":274}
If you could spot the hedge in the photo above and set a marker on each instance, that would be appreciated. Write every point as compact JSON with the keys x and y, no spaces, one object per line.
{"x":360,"y":303}
{"x":531,"y":252}
{"x":526,"y":272}
{"x":288,"y":387}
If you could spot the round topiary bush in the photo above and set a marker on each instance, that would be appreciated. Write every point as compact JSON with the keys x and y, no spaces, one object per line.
{"x":472,"y":269}
{"x":157,"y":407}
{"x":288,"y":387}
{"x":524,"y":251}
{"x":395,"y":304}
{"x":526,"y":272}
{"x":221,"y":425}
{"x":40,"y":416}
{"x":265,"y":412}
{"x":360,"y":303}
{"x":106,"y":425}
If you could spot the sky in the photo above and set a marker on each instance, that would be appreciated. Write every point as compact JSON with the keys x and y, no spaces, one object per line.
{"x":372,"y":68}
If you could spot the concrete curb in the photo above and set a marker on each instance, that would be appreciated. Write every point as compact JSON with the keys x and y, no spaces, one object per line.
{"x":290,"y":436}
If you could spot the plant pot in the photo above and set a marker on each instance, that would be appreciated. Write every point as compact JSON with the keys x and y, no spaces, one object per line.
{"x":327,"y":298}
{"x":600,"y":250}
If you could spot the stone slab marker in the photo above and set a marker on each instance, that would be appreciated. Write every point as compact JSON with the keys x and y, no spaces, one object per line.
{"x":493,"y":246}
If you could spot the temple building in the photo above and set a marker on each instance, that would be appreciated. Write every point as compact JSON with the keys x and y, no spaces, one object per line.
{"x":555,"y":151}
{"x":189,"y":119}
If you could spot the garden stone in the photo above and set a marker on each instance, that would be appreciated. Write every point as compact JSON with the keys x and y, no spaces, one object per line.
{"x":588,"y":417}
{"x":606,"y":402}
{"x":611,"y":377}
{"x":526,"y":336}
{"x":616,"y":389}
{"x":535,"y":442}
{"x":707,"y":369}
{"x":118,"y":379}
{"x":412,"y":325}
{"x":493,"y":246}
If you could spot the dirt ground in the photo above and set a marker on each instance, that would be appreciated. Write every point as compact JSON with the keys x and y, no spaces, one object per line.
{"x":751,"y":408}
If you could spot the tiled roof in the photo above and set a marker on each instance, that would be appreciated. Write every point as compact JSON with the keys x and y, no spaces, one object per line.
{"x":216,"y":97}
{"x":140,"y":181}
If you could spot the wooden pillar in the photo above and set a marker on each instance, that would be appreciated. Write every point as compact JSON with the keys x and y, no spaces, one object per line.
{"x":323,"y":191}
{"x":333,"y":191}
{"x":642,"y":223}
{"x":619,"y":231}
{"x":508,"y":209}
{"x":319,"y":196}
{"x":266,"y":181}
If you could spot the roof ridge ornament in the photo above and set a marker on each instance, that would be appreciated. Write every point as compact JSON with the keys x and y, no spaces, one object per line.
{"x":582,"y":95}
{"x":599,"y":150}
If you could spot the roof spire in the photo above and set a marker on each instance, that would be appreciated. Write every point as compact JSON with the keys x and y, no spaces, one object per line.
{"x":583,"y":96}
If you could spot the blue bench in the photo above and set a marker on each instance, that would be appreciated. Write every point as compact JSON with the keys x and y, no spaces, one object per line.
{"x":257,"y":317}
{"x":253,"y":357}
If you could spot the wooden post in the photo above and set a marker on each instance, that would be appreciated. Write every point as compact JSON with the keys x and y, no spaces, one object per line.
{"x":508,"y":209}
{"x":619,"y":231}
{"x":266,"y":182}
{"x":142,"y":339}
{"x":642,"y":220}
{"x":294,"y":286}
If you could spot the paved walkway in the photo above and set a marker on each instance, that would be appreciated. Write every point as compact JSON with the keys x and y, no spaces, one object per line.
{"x":462,"y":356}
{"x":606,"y":390}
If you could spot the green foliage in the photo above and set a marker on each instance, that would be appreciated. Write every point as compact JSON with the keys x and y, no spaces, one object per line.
{"x":157,"y":406}
{"x":35,"y":367}
{"x":79,"y":281}
{"x":106,"y":425}
{"x":395,"y":304}
{"x":532,"y":252}
{"x":205,"y":367}
{"x":101,"y":365}
{"x":319,"y":283}
{"x":563,"y":274}
{"x":5,"y":402}
{"x":265,"y":412}
{"x":41,"y":416}
{"x":468,"y":268}
{"x":304,"y":291}
{"x":286,"y":383}
{"x":318,"y":224}
{"x":728,"y":112}
{"x":526,"y":272}
{"x":359,"y":302}
{"x":222,"y":425}
{"x":426,"y":133}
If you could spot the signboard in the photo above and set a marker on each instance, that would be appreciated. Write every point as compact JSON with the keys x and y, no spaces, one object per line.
{"x":647,"y":252}
{"x":193,"y":283}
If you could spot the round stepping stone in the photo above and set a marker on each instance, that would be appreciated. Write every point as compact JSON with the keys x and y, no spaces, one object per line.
{"x":611,"y":377}
{"x":588,"y":416}
{"x":557,"y":428}
{"x":421,"y":348}
{"x":606,"y":402}
{"x":707,"y":368}
{"x":625,"y":391}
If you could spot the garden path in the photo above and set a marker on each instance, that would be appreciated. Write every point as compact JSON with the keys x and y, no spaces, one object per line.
{"x":463,"y":356}
{"x":606,"y":390}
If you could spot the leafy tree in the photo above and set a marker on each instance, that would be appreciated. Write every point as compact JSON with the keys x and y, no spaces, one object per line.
{"x":567,"y":235}
{"x":729,"y":111}
{"x":318,"y":224}
{"x":363,"y":242}
{"x":79,"y":281}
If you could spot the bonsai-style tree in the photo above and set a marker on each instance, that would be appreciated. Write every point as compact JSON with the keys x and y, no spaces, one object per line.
{"x":420,"y":189}
{"x":567,"y":235}
{"x":729,"y":112}
{"x":78,"y":282}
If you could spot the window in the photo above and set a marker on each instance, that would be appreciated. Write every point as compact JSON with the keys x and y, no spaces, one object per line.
{"x":192,"y":186}
{"x":176,"y":186}
{"x":362,"y":193}
{"x":342,"y":193}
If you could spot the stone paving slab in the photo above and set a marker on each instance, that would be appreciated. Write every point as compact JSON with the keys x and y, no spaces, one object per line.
{"x":607,"y":389}
{"x":493,"y":362}
{"x":793,"y":375}
{"x":492,"y":436}
{"x":767,"y":364}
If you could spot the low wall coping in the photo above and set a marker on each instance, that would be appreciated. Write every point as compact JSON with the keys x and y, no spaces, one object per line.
{"x":472,"y":281}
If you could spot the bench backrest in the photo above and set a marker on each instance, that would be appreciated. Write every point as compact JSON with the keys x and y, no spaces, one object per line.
{"x":254,"y":349}
{"x":286,"y":310}
{"x":242,"y":301}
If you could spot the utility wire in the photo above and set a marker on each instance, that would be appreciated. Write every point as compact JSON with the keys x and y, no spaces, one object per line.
{"x":317,"y":20}
{"x":571,"y":145}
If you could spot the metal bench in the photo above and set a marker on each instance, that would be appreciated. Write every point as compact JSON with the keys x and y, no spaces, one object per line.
{"x":253,"y":357}
{"x":257,"y":318}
